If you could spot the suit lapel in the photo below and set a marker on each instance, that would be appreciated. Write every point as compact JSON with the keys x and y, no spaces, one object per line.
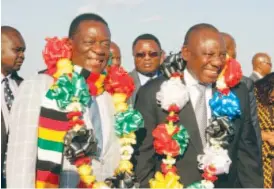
{"x":188,"y":119}
{"x":137,"y":83}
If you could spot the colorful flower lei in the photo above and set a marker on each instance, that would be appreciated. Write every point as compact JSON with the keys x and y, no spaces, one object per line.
{"x":171,"y":139}
{"x":72,"y":93}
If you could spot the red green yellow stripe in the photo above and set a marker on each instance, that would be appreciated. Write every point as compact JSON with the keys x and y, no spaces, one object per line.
{"x":54,"y":124}
{"x":47,"y":177}
{"x":48,"y":134}
{"x":50,"y":145}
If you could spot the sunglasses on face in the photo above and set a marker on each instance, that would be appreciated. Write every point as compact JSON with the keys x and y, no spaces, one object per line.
{"x":143,"y":54}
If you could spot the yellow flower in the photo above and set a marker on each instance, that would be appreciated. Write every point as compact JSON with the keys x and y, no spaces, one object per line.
{"x":170,"y":180}
{"x":64,"y":66}
{"x":124,"y":166}
{"x":87,"y":179}
{"x":100,"y":185}
{"x":128,"y":139}
{"x":85,"y":170}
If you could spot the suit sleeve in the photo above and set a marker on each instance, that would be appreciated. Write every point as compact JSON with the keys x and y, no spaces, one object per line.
{"x":249,"y":168}
{"x":144,"y":155}
{"x":22,"y":144}
{"x":254,"y":118}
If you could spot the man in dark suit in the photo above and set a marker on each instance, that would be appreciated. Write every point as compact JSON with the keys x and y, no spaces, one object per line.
{"x":262,"y":65}
{"x":231,"y":51}
{"x":12,"y":51}
{"x":205,"y":55}
{"x":147,"y":53}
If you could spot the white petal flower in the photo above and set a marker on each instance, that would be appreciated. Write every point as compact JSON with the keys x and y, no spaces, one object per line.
{"x":207,"y":184}
{"x":74,"y":106}
{"x":220,"y":84}
{"x":214,"y":156}
{"x":169,"y":161}
{"x":127,"y":149}
{"x":171,"y":92}
{"x":126,"y":157}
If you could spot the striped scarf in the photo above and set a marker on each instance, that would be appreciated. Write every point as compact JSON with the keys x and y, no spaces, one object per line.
{"x":53,"y":125}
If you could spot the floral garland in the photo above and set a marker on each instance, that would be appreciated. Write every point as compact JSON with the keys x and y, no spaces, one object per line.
{"x":72,"y":93}
{"x":171,"y":139}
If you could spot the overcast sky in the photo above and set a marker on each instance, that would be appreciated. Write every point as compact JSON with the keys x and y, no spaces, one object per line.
{"x":251,"y":22}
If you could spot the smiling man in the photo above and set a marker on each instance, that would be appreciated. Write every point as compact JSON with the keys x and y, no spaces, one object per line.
{"x":204,"y":52}
{"x":147,"y":53}
{"x":29,"y":160}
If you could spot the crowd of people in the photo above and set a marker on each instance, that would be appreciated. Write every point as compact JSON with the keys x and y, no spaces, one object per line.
{"x":204,"y":124}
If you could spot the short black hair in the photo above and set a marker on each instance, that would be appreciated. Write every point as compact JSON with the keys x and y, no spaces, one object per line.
{"x":146,"y":36}
{"x":5,"y":29}
{"x":198,"y":27}
{"x":83,"y":17}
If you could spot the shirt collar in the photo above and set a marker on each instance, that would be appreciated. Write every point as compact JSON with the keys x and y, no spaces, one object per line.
{"x":3,"y":77}
{"x":189,"y":79}
{"x":258,"y":74}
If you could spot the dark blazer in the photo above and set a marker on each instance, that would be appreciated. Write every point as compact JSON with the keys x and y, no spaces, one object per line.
{"x":243,"y":150}
{"x":137,"y":82}
{"x":4,"y":134}
{"x":254,"y":77}
{"x":253,"y":110}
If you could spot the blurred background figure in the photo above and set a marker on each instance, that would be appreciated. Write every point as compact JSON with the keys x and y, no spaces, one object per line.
{"x":12,"y":57}
{"x":262,"y":65}
{"x":265,"y":101}
{"x":115,"y":54}
{"x":232,"y":53}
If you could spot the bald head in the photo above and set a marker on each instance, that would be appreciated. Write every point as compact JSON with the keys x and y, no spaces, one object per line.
{"x":12,"y":50}
{"x":116,"y":54}
{"x":262,"y":63}
{"x":230,"y":45}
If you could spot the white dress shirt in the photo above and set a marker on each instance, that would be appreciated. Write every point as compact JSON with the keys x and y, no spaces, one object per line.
{"x":13,"y":86}
{"x":191,"y":83}
{"x":144,"y":79}
{"x":22,"y":146}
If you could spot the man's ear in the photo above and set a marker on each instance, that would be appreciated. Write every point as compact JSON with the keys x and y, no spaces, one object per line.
{"x":185,"y":53}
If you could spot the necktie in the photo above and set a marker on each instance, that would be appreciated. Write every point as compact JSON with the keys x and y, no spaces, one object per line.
{"x":96,"y":122}
{"x":8,"y":93}
{"x":201,"y":112}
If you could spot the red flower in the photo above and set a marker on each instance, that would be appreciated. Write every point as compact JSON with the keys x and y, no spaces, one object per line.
{"x":166,"y":169}
{"x":173,"y":108}
{"x":173,"y":118}
{"x":91,"y":80}
{"x":119,"y":81}
{"x":163,"y":142}
{"x":54,"y":50}
{"x":233,"y":73}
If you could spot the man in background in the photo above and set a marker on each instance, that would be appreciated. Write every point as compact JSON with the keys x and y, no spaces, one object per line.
{"x":231,"y":51}
{"x":262,"y":65}
{"x":147,"y":53}
{"x":12,"y":57}
{"x":115,"y":54}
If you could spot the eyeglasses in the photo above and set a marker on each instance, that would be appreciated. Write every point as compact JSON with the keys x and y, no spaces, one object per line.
{"x":269,"y":63}
{"x":143,"y":54}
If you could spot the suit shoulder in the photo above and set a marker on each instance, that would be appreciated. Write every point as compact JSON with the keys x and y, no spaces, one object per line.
{"x":153,"y":86}
{"x":248,"y":82}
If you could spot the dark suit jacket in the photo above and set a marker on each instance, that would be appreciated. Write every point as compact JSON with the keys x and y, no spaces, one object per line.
{"x":243,"y":150}
{"x":253,"y":111}
{"x":4,"y":134}
{"x":137,"y":82}
{"x":254,"y":77}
